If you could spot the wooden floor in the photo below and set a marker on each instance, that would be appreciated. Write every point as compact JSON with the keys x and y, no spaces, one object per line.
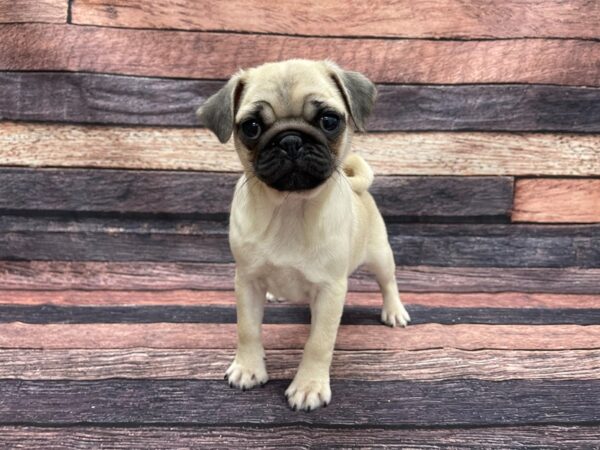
{"x":124,"y":369}
{"x":117,"y":317}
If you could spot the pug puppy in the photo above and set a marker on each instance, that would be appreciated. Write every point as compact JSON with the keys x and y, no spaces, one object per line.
{"x":302,"y":219}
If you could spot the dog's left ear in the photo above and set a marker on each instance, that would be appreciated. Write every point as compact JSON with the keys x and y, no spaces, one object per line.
{"x":358,"y":91}
{"x":218,"y":112}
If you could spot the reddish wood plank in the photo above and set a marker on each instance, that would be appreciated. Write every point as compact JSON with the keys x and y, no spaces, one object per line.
{"x":402,"y":18}
{"x":302,"y":437}
{"x":458,"y":153}
{"x":352,"y":337}
{"x":372,"y":299}
{"x":150,"y":52}
{"x":379,"y":365}
{"x":61,"y":275}
{"x":557,"y":201}
{"x":49,"y":11}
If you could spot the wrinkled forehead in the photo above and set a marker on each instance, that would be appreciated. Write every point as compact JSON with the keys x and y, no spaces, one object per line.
{"x":285,"y":92}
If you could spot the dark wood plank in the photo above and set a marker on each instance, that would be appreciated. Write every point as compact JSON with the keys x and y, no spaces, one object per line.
{"x":293,"y":336}
{"x":464,"y":245}
{"x":48,"y":11}
{"x":153,"y":101}
{"x":150,"y":53}
{"x":424,"y":19}
{"x":423,"y":197}
{"x":366,"y":365}
{"x":508,"y":107}
{"x":362,"y":299}
{"x":206,"y":193}
{"x":114,"y":239}
{"x":94,"y":98}
{"x":115,"y":276}
{"x":92,"y":190}
{"x":407,"y":403}
{"x":300,"y":437}
{"x":162,"y":148}
{"x":474,"y":245}
{"x":474,"y":279}
{"x":557,"y":200}
{"x":353,"y":315}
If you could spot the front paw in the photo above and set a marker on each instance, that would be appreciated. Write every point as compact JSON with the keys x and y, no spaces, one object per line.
{"x":395,"y":315}
{"x":246,"y":375}
{"x":308,"y":393}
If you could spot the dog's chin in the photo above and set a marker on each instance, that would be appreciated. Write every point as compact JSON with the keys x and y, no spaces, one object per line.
{"x":296,"y":184}
{"x":296,"y":181}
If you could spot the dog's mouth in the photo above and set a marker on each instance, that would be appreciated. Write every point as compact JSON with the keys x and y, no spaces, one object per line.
{"x":294,"y":161}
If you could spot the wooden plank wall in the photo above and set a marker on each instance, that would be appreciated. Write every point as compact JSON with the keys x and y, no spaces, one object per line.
{"x":116,"y":305}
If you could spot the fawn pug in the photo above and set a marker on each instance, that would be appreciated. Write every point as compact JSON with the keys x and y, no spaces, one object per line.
{"x":302,"y":219}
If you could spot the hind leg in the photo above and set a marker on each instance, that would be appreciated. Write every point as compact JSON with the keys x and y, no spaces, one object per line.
{"x":380,"y":261}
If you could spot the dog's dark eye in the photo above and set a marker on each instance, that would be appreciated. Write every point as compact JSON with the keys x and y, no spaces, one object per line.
{"x":251,"y":128}
{"x":329,"y":122}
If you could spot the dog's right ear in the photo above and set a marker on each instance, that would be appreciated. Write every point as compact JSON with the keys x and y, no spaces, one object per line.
{"x":218,"y":112}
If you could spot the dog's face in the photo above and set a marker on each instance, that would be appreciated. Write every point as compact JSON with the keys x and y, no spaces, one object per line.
{"x":292,"y":121}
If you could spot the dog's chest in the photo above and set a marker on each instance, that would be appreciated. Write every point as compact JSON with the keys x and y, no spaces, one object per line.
{"x":288,"y":258}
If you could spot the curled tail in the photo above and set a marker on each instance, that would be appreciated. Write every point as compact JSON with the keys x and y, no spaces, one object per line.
{"x":358,"y":172}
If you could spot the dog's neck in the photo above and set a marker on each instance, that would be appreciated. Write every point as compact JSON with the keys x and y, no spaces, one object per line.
{"x":259,"y":207}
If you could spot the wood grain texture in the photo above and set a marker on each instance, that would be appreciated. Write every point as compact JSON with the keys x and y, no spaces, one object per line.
{"x":440,"y":153}
{"x":49,"y":11}
{"x":368,"y":299}
{"x":557,"y":201}
{"x":209,"y":194}
{"x":115,"y":276}
{"x":381,"y":365}
{"x":95,"y":98}
{"x":292,"y":314}
{"x":301,"y":437}
{"x":425,"y":19}
{"x":283,"y":336}
{"x":407,"y":403}
{"x":120,"y":191}
{"x":154,"y":101}
{"x":495,"y":245}
{"x":445,"y":245}
{"x":150,"y":52}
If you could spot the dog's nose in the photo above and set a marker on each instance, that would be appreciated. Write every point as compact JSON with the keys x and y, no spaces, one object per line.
{"x":291,"y":143}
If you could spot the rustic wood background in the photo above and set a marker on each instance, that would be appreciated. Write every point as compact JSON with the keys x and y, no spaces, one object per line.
{"x":117,"y":316}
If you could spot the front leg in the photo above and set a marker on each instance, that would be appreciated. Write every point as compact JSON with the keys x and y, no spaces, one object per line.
{"x":310,"y":387}
{"x":248,"y":368}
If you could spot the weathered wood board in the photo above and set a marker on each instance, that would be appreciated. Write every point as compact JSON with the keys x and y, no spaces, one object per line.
{"x":115,"y":99}
{"x":446,"y":245}
{"x":61,"y":275}
{"x":353,"y":315}
{"x":382,"y":365}
{"x":365,"y":299}
{"x":300,"y":436}
{"x":557,"y":201}
{"x":206,"y":193}
{"x":293,"y":336}
{"x":150,"y":52}
{"x":409,"y":403}
{"x":48,"y":11}
{"x":404,"y":18}
{"x":162,"y":148}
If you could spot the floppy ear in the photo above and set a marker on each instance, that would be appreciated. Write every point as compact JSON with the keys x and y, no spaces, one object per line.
{"x":359,"y":94}
{"x":218,"y":112}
